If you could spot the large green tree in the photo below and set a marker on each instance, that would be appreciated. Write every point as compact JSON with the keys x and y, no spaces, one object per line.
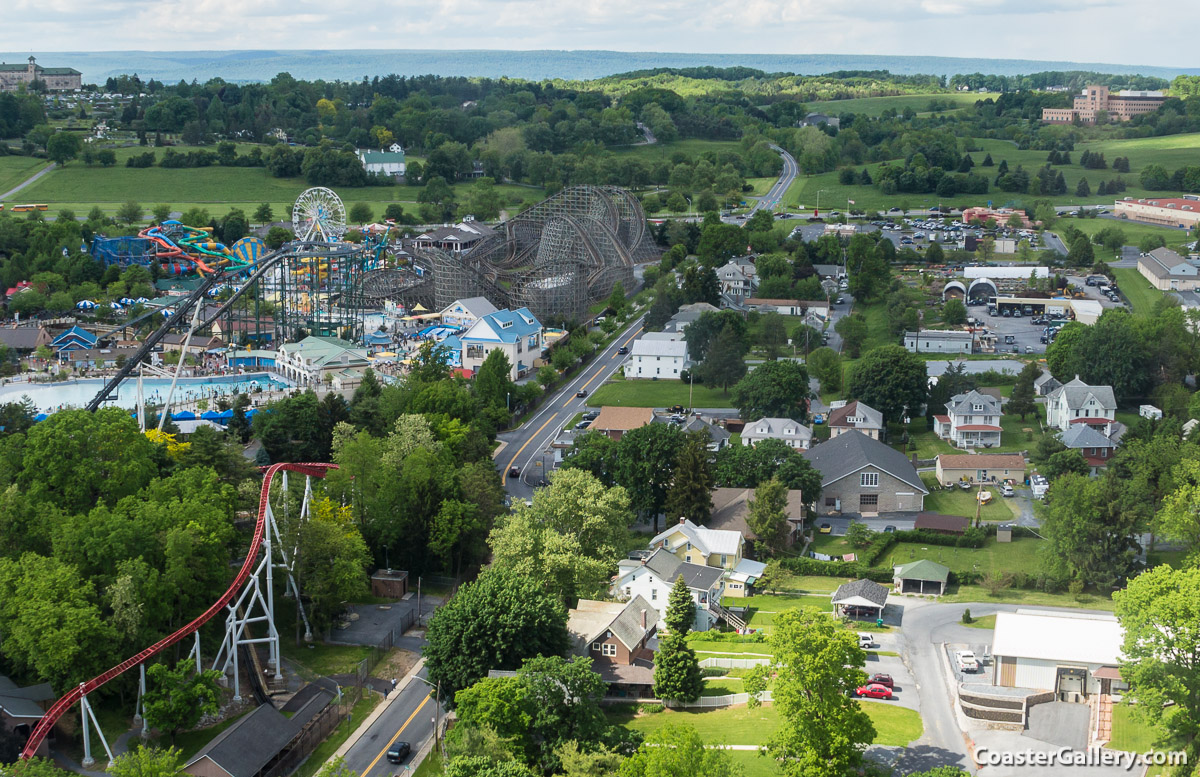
{"x":147,"y":762}
{"x":493,"y":384}
{"x":1159,"y":613}
{"x":177,"y":698}
{"x":823,"y":730}
{"x":1021,"y":402}
{"x":677,"y":750}
{"x":853,"y":329}
{"x":1089,"y":536}
{"x":495,"y":622}
{"x":723,"y":365}
{"x":677,"y":675}
{"x":776,"y":389}
{"x":891,"y":380}
{"x":645,"y":465}
{"x":768,"y":517}
{"x":330,"y":561}
{"x":690,"y":495}
{"x":681,"y":608}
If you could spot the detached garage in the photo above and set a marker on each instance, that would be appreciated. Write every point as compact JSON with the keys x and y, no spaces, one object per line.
{"x":921,"y":577}
{"x":1074,"y":655}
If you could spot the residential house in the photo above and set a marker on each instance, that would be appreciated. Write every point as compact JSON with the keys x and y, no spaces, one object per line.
{"x":1168,"y":271}
{"x":456,"y":239}
{"x":619,"y":638}
{"x":73,"y":339}
{"x":315,"y":361}
{"x":1075,"y":402}
{"x":731,"y":506}
{"x":972,"y":420}
{"x":655,"y":359}
{"x":856,"y":416}
{"x":264,"y":742}
{"x":653,"y":577}
{"x":1044,"y":384}
{"x":24,"y":340}
{"x":718,"y":437}
{"x":793,"y":433}
{"x":22,"y":708}
{"x":1097,"y":448}
{"x":721,"y":548}
{"x":390,"y":162}
{"x":860,"y":597}
{"x":921,"y":577}
{"x":1075,"y":655}
{"x":517,"y":333}
{"x":464,"y":312}
{"x":939,"y":341}
{"x":738,"y":279}
{"x":862,"y":475}
{"x":615,"y":420}
{"x":954,"y":468}
{"x":686,"y":315}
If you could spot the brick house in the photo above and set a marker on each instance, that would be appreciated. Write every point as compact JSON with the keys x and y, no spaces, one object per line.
{"x":619,"y":638}
{"x":862,"y":475}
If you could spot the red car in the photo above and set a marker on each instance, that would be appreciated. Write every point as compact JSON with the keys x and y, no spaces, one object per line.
{"x":884,"y":680}
{"x":874,"y":691}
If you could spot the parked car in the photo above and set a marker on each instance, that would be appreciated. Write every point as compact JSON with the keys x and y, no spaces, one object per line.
{"x":882,"y":679}
{"x":889,"y":529}
{"x":874,"y":691}
{"x":583,"y":424}
{"x":1006,"y":490}
{"x":398,"y":752}
{"x":825,"y":528}
{"x":865,"y":640}
{"x":966,"y":661}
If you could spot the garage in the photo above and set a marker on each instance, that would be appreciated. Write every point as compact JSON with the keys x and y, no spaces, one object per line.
{"x":921,"y":577}
{"x":1075,"y":655}
{"x":954,"y":290}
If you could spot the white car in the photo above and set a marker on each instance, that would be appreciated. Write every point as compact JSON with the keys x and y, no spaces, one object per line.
{"x":865,"y":641}
{"x":1006,"y":489}
{"x":966,"y":661}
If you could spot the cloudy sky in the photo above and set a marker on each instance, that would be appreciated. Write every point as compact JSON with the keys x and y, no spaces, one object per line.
{"x":1147,"y":32}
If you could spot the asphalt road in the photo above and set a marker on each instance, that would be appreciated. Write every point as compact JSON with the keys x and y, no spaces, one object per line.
{"x":526,"y":447}
{"x":409,"y":718}
{"x":774,"y":195}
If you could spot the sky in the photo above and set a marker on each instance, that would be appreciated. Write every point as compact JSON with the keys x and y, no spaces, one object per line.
{"x":1142,"y":32}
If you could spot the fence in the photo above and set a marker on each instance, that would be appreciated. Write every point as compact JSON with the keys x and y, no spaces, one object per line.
{"x":314,"y":733}
{"x":733,"y":663}
{"x":718,"y":701}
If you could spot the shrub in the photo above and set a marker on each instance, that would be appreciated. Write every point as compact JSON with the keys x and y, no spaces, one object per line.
{"x":966,"y":616}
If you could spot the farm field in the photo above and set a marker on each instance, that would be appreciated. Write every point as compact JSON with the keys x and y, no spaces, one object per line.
{"x":664,"y":151}
{"x":875,"y":106}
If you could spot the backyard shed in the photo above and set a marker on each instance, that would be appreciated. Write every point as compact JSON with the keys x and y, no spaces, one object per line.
{"x":921,"y":577}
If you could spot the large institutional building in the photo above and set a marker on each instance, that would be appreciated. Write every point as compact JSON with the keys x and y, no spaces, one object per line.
{"x":1122,"y":106}
{"x":1182,"y":212}
{"x":57,"y":79}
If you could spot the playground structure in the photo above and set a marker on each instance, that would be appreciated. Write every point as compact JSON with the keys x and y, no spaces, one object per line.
{"x":249,"y":599}
{"x":556,"y":258}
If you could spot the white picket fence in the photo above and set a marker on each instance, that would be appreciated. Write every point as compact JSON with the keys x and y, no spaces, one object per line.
{"x":719,"y":701}
{"x":733,"y":663}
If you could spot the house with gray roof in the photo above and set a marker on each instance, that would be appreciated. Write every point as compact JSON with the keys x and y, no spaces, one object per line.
{"x":25,"y":339}
{"x":863,"y":475}
{"x":1045,"y":383}
{"x":1097,"y":447}
{"x":22,"y":708}
{"x":1168,"y":271}
{"x":792,"y":433}
{"x":619,"y":638}
{"x":738,"y":279}
{"x":464,"y":312}
{"x":860,"y":597}
{"x":972,"y":420}
{"x":718,"y":437}
{"x":856,"y":416}
{"x":939,"y":341}
{"x":652,"y":577}
{"x":1075,"y":402}
{"x":657,"y":359}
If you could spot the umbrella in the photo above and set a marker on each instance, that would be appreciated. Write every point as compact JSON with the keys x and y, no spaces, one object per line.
{"x":127,"y":301}
{"x":210,"y":415}
{"x":41,"y":417}
{"x":116,"y":305}
{"x":141,"y":300}
{"x":251,"y":411}
{"x":85,"y":304}
{"x":420,"y":308}
{"x":185,"y":415}
{"x":225,"y":414}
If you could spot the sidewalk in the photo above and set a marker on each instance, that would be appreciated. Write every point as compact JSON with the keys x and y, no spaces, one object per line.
{"x":362,"y":729}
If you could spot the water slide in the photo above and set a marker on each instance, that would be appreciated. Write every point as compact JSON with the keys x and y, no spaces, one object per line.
{"x":65,"y":703}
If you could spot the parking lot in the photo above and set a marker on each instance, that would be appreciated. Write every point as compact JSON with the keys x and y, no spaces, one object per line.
{"x":1026,"y":335}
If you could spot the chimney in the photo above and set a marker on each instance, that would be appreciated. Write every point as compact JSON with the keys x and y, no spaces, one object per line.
{"x":681,"y":520}
{"x":643,"y":620}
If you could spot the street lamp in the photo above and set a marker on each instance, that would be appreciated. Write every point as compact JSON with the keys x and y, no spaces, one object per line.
{"x":817,"y":210}
{"x":437,"y":712}
{"x":688,"y":215}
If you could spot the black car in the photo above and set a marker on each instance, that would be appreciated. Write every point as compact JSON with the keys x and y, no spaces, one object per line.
{"x":622,"y":351}
{"x":581,"y":393}
{"x":398,"y":752}
{"x":514,"y":472}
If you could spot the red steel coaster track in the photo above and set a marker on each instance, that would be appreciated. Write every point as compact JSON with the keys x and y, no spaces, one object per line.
{"x":61,"y":706}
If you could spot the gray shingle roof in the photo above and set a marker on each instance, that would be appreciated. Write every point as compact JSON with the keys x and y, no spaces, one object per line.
{"x":961,"y":404}
{"x":628,"y":625}
{"x":23,"y":702}
{"x":248,"y":745}
{"x":668,"y":567}
{"x":867,"y":589}
{"x":1084,"y":436}
{"x":1076,"y":393}
{"x":849,"y":452}
{"x":868,"y":417}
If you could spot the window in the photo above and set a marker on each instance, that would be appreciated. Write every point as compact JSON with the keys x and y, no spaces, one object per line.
{"x":977,"y":408}
{"x":653,"y":594}
{"x":608,"y":650}
{"x":868,"y":500}
{"x":596,"y":646}
{"x":688,"y":558}
{"x":869,"y":479}
{"x":724,"y":559}
{"x":831,"y":501}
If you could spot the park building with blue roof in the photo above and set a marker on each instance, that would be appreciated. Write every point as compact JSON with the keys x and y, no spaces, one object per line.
{"x":517,"y":333}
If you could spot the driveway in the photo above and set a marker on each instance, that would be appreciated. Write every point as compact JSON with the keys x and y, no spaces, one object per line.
{"x":1059,"y":723}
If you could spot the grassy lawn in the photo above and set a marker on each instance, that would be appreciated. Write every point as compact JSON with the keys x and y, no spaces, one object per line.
{"x":986,"y":622}
{"x":14,"y":169}
{"x":875,"y":106}
{"x":895,"y":726}
{"x":722,"y":686}
{"x":322,"y":659}
{"x":1134,"y":232}
{"x":322,"y":753}
{"x":1018,"y":555}
{"x":955,"y":501}
{"x":807,"y":583}
{"x":1141,"y":295}
{"x":657,"y":393}
{"x":691,"y":148}
{"x":431,"y":766}
{"x":708,"y":649}
{"x":877,"y":325}
{"x":975,"y":593}
{"x":1129,"y":733}
{"x":1172,"y":558}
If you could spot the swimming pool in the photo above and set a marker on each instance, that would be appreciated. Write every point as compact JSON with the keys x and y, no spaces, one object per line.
{"x":77,"y":393}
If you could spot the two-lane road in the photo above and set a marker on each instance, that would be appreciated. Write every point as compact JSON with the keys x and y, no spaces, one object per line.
{"x":409,"y":718}
{"x":774,"y":195}
{"x":524,"y":447}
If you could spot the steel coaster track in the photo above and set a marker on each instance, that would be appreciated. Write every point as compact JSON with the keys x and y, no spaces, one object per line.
{"x":60,"y":707}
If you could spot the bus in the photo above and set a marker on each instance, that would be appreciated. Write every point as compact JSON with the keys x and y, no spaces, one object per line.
{"x":28,"y":208}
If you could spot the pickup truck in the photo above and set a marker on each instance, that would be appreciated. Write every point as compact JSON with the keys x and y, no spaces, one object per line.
{"x":966,"y":661}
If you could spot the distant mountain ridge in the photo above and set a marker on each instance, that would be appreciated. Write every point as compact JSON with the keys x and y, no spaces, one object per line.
{"x":353,"y":65}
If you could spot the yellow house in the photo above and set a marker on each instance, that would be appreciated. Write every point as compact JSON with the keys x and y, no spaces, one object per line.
{"x":695,"y":544}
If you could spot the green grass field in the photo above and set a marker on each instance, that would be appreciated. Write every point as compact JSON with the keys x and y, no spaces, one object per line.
{"x":1129,"y":733}
{"x":1134,"y":232}
{"x":657,"y":393}
{"x":1141,"y":295}
{"x":955,"y":501}
{"x":14,"y":170}
{"x":322,"y":659}
{"x":986,"y":622}
{"x":688,"y":148}
{"x":974,"y":593}
{"x":875,"y":106}
{"x":1018,"y":555}
{"x":894,"y":726}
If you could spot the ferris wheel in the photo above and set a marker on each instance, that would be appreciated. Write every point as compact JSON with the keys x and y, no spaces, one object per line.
{"x":319,"y":215}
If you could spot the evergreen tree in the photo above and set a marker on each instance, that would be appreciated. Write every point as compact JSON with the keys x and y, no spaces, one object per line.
{"x":692,"y":482}
{"x":677,"y":674}
{"x":1082,"y":189}
{"x":1052,"y":157}
{"x":1021,"y":401}
{"x":723,"y":365}
{"x":1060,"y":183}
{"x":864,"y":178}
{"x":681,"y":609}
{"x":768,"y":515}
{"x":987,"y":161}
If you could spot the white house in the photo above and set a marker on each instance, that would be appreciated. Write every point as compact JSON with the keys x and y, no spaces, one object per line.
{"x":1076,"y":402}
{"x":738,"y":279}
{"x":657,"y":359}
{"x":464,"y":312}
{"x":652,"y":578}
{"x":390,"y":162}
{"x":1168,"y":271}
{"x":972,"y":420}
{"x":939,"y":341}
{"x":1073,"y":654}
{"x":795,"y":434}
{"x":516,"y":332}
